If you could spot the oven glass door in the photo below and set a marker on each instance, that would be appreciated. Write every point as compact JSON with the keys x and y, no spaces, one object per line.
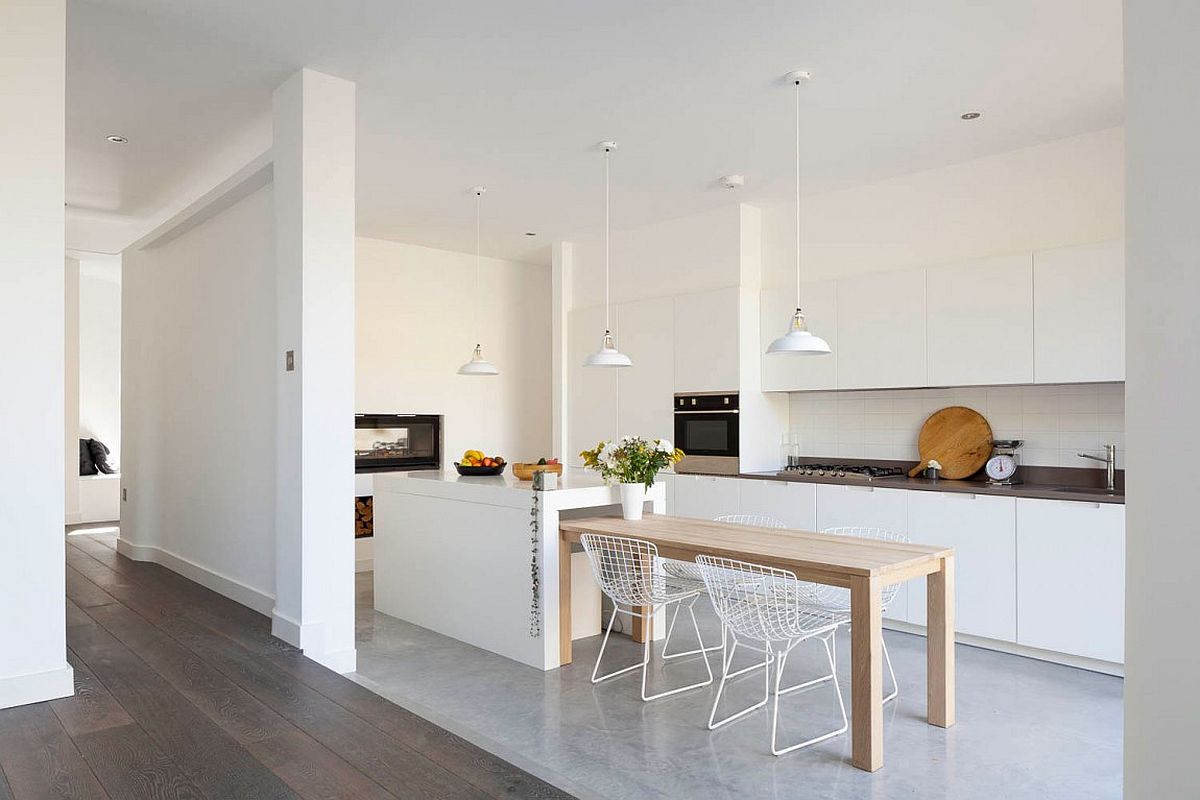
{"x":707,"y":434}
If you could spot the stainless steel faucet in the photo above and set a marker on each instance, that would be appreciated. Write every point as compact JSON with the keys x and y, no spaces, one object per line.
{"x":1110,"y":465}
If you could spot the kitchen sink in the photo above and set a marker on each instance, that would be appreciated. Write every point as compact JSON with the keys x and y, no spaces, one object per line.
{"x":1085,"y":490}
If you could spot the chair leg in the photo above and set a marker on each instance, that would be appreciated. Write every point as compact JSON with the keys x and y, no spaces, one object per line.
{"x":600,"y":655}
{"x":671,"y":629}
{"x":782,"y":662}
{"x":647,"y":613}
{"x":713,"y":722}
{"x":887,"y":659}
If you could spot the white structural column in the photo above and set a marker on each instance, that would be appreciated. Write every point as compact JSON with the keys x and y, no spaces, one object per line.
{"x":33,"y":652}
{"x":562,"y":260}
{"x":314,"y":217}
{"x":1162,"y":284}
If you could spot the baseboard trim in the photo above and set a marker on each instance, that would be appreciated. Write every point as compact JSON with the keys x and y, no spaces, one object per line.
{"x":1012,"y":648}
{"x":37,"y":687}
{"x":235,"y":590}
{"x":310,"y":639}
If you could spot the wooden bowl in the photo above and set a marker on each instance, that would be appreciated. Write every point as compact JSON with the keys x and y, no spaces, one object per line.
{"x":524,"y":472}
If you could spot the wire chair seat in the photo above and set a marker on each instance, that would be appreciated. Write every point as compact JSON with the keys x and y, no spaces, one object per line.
{"x":835,"y":599}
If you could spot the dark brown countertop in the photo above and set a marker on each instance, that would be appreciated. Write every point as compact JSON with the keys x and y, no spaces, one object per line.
{"x":1043,"y":491}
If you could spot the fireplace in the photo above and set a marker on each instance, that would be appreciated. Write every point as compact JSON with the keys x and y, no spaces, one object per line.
{"x":397,"y":442}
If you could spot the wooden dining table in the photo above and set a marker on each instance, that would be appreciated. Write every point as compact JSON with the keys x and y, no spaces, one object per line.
{"x":864,"y":566}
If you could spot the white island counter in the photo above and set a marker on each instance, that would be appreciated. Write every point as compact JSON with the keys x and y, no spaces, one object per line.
{"x":455,"y":555}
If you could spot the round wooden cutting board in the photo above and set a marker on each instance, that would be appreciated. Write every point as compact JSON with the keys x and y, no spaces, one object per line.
{"x":958,"y":438}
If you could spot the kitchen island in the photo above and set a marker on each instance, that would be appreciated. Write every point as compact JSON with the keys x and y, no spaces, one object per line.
{"x":456,"y":554}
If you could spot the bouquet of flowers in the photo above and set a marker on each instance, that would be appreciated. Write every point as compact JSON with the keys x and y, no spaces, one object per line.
{"x":632,"y":459}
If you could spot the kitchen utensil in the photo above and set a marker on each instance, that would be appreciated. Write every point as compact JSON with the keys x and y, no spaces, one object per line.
{"x":958,"y":438}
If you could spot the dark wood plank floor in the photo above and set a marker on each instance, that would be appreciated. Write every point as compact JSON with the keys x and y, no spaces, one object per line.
{"x":183,"y":693}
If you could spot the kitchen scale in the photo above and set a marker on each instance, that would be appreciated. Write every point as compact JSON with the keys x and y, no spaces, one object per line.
{"x":1002,"y":467}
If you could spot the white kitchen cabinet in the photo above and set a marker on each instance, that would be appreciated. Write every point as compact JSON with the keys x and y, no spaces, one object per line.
{"x":645,"y":391}
{"x":704,"y":496}
{"x":983,"y":532}
{"x":1079,"y":313}
{"x":881,"y":330}
{"x":592,"y":398}
{"x":794,"y":504}
{"x":784,"y":372}
{"x":706,"y":341}
{"x":979,"y":322}
{"x":1071,"y":577}
{"x":869,"y":507}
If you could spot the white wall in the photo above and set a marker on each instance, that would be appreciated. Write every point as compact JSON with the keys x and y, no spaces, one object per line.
{"x":100,"y":352}
{"x":33,"y":663}
{"x":1055,"y":422}
{"x":1162,"y":71}
{"x":71,"y":388}
{"x":1062,"y":193}
{"x":416,"y":315}
{"x":198,"y":410}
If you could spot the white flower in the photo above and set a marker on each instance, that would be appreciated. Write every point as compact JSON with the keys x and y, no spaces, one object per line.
{"x":665,"y":446}
{"x":934,"y":464}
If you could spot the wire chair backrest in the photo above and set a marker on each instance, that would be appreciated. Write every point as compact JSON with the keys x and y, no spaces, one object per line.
{"x":836,"y":599}
{"x":624,"y":568}
{"x":754,"y":520}
{"x":757,"y":601}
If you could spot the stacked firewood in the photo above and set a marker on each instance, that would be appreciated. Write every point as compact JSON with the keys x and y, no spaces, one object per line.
{"x":364,"y":517}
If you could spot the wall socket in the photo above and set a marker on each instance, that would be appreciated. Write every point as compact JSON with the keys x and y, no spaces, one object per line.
{"x":124,"y":494}
{"x":290,"y":361}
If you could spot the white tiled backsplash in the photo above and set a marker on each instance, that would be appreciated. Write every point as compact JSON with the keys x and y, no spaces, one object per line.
{"x":1056,"y":421}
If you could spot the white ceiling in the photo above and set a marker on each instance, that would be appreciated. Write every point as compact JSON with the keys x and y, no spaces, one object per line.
{"x":515,"y":95}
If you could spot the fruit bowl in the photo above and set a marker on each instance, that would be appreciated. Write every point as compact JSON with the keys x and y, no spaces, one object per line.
{"x":495,"y":469}
{"x":524,"y":472}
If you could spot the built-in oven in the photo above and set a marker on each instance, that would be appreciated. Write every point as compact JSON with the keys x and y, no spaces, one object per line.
{"x":387,"y":442}
{"x":706,"y":430}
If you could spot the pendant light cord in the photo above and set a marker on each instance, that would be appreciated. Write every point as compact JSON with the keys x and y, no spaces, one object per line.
{"x":607,"y":327}
{"x":798,"y":194}
{"x":478,"y":294}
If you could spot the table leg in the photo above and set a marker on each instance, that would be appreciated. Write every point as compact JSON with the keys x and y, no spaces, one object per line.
{"x":643,"y":625}
{"x":866,"y":673}
{"x":939,"y":646}
{"x":564,"y":602}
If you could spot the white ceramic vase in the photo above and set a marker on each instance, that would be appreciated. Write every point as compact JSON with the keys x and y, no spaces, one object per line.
{"x":633,"y":497}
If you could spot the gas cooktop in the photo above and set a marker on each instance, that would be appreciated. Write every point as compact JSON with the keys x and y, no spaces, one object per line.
{"x":865,"y":472}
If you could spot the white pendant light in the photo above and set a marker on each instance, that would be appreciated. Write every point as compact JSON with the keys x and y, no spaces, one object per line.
{"x":607,"y":355}
{"x":798,"y":340}
{"x":478,"y":365}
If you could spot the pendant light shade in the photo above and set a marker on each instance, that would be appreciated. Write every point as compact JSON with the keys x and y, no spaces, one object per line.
{"x":608,"y":355}
{"x":798,"y":340}
{"x":478,"y":365}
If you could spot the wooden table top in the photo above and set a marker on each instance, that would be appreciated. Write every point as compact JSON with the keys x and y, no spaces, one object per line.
{"x":803,"y":552}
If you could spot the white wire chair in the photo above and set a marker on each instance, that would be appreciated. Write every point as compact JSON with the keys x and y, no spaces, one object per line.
{"x":836,"y":601}
{"x":628,"y":572}
{"x":687,"y":573}
{"x":767,"y":605}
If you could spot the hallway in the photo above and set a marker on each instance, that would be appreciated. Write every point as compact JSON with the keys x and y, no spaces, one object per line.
{"x":182,"y":693}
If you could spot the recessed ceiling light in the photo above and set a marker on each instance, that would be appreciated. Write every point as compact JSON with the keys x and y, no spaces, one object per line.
{"x":530,"y":233}
{"x":115,"y":139}
{"x":971,"y":115}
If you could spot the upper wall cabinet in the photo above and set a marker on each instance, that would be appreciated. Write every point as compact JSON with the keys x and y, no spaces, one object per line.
{"x":881,"y":330}
{"x":792,"y":373}
{"x":706,"y":341}
{"x":645,"y":391}
{"x":979,"y":327}
{"x":1079,"y":313}
{"x":592,"y":392}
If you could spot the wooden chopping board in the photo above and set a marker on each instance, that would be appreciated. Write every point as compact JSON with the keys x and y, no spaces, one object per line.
{"x":958,"y":438}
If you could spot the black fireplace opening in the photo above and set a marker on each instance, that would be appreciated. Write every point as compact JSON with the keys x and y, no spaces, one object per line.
{"x":397,"y":442}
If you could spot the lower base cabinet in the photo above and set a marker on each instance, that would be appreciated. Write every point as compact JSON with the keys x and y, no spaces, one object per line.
{"x":1071,"y":577}
{"x":982,"y":530}
{"x":1047,"y":574}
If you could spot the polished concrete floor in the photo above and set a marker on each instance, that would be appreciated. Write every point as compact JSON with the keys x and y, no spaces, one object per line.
{"x":1026,"y":729}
